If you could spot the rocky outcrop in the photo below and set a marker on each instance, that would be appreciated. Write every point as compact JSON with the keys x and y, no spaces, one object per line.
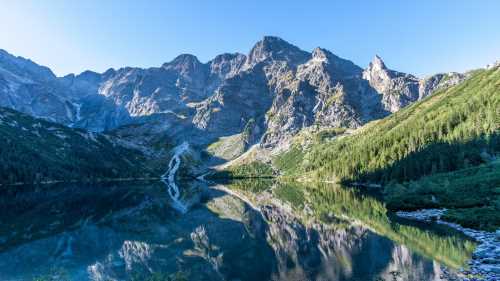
{"x":239,"y":99}
{"x":400,"y":89}
{"x":274,"y":49}
{"x":282,"y":88}
{"x":32,"y":89}
{"x":439,"y":81}
{"x":397,"y":89}
{"x":223,"y":67}
{"x":327,"y":91}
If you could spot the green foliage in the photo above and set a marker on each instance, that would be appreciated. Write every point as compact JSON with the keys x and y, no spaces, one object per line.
{"x":338,"y":206}
{"x":328,"y":134}
{"x":486,"y":217}
{"x":329,"y":200}
{"x":254,"y":185}
{"x":33,"y":150}
{"x":447,"y":131}
{"x":472,"y":194}
{"x":291,"y":192}
{"x":455,"y":129}
{"x":228,"y":147}
{"x":252,"y":170}
{"x":289,"y":161}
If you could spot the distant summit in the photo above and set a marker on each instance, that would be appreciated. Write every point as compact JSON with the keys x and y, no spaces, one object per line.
{"x":275,"y":48}
{"x":274,"y":91}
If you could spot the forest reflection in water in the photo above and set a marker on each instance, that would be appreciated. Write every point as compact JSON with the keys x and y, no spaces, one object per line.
{"x":129,"y":231}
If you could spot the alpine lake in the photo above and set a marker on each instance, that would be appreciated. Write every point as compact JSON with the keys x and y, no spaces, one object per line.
{"x":253,"y":229}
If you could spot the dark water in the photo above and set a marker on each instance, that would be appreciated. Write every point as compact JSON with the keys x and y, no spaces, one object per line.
{"x":131,"y":232}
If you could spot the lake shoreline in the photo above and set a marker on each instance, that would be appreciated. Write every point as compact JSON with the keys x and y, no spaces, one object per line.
{"x":100,"y":180}
{"x":260,"y":203}
{"x":485,"y":260}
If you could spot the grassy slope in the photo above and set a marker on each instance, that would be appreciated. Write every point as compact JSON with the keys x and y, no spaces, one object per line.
{"x":450,"y":130}
{"x":254,"y":169}
{"x":472,"y":195}
{"x":228,"y":148}
{"x":435,"y":153}
{"x":36,"y":150}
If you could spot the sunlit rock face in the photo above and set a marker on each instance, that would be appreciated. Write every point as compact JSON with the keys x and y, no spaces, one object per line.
{"x":439,"y":81}
{"x":33,"y":89}
{"x":397,"y":89}
{"x":400,"y":89}
{"x":327,"y":91}
{"x":276,"y":86}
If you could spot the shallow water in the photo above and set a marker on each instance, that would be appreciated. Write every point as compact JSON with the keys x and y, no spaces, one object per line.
{"x":132,"y":232}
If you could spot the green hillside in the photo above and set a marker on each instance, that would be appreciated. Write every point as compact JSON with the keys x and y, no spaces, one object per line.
{"x":453,"y":129}
{"x":441,"y":152}
{"x":472,"y":195}
{"x":34,"y":150}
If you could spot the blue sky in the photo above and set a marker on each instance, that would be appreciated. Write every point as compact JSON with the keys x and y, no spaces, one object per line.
{"x":420,"y":37}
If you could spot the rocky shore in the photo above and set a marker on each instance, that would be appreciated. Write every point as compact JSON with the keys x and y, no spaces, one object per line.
{"x":485,"y":261}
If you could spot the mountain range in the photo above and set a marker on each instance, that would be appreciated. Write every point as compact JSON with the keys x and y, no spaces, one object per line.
{"x":271,"y":93}
{"x":293,"y":123}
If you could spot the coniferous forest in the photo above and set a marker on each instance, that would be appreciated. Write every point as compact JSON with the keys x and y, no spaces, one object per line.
{"x":453,"y":129}
{"x":34,"y":150}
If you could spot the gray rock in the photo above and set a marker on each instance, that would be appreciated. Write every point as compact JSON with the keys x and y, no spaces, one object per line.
{"x":429,"y":85}
{"x":282,"y":88}
{"x":397,"y":89}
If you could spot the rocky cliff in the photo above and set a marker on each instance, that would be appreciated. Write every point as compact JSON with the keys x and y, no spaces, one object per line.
{"x":278,"y":88}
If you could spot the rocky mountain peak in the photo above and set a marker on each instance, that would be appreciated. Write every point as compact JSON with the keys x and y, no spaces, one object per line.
{"x":377,"y":71}
{"x":24,"y":67}
{"x":377,"y":61}
{"x":397,"y":89}
{"x":183,"y":62}
{"x":275,"y":48}
{"x":190,"y":71}
{"x":185,"y":58}
{"x":323,"y":60}
{"x":274,"y":42}
{"x":89,"y":75}
{"x":279,"y":86}
{"x":227,"y":65}
{"x":226,"y":57}
{"x":109,"y":73}
{"x":377,"y":65}
{"x":320,"y":54}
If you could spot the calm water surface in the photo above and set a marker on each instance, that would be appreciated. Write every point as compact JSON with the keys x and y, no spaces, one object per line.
{"x":133,"y":232}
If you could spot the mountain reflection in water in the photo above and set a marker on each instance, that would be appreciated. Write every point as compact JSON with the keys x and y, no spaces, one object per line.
{"x":131,"y":232}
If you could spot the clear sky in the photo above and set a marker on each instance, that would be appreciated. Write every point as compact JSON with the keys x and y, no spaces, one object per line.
{"x":421,"y":37}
